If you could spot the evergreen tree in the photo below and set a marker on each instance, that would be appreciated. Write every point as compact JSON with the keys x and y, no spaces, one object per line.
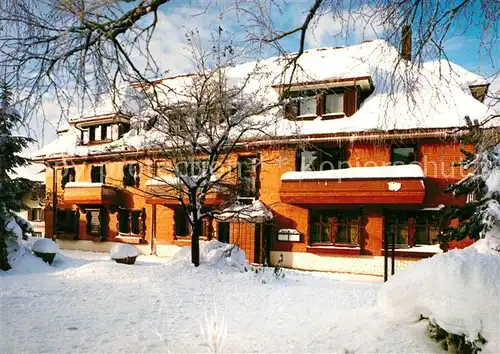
{"x":11,"y":189}
{"x":481,"y":187}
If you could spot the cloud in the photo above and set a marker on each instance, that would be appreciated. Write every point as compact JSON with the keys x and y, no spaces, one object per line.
{"x":169,"y":46}
{"x":347,"y":27}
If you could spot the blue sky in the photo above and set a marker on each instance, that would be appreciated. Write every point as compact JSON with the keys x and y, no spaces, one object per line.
{"x":462,"y":44}
{"x":169,"y":43}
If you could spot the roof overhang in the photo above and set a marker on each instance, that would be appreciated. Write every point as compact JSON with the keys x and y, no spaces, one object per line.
{"x":101,"y":119}
{"x":364,"y":82}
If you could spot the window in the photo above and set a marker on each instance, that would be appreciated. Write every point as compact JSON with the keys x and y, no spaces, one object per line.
{"x":68,"y":175}
{"x":95,"y":222}
{"x":334,"y":103}
{"x":402,"y":155}
{"x":335,"y":228}
{"x":192,"y":167}
{"x":248,"y":176}
{"x":35,"y":214}
{"x":320,"y":158}
{"x":413,"y":228}
{"x":182,"y":226}
{"x":291,"y":235}
{"x":122,"y":129}
{"x":131,"y":221}
{"x":67,"y":221}
{"x":307,"y":106}
{"x":131,"y":175}
{"x":98,"y":174}
{"x":104,"y":131}
{"x":92,"y":131}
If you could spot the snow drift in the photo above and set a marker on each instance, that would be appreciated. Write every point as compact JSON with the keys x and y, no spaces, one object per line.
{"x":216,"y":254}
{"x":459,"y":290}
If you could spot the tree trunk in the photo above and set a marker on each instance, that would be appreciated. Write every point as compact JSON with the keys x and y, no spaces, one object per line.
{"x":197,"y":229}
{"x":4,"y":262}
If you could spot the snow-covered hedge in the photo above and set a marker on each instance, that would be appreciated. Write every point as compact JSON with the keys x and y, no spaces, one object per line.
{"x":458,"y":290}
{"x":45,"y":245}
{"x":122,"y":251}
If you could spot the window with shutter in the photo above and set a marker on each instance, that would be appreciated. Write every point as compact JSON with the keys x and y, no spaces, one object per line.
{"x":67,"y":221}
{"x":413,"y":227}
{"x":131,"y":175}
{"x":330,"y":227}
{"x":92,"y":134}
{"x":104,"y":131}
{"x":68,"y":175}
{"x":248,"y":176}
{"x":36,"y":214}
{"x":94,"y":226}
{"x":131,"y":221}
{"x":98,"y":174}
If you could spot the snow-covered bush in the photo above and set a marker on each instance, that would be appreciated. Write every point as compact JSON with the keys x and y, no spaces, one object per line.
{"x":124,"y":253}
{"x":480,"y":216}
{"x":458,"y":290}
{"x":218,"y":254}
{"x":46,"y":249}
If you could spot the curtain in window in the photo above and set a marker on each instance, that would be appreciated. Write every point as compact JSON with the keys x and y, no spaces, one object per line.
{"x":334,"y":103}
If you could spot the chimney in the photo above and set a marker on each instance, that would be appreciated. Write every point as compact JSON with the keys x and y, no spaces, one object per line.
{"x":406,"y":42}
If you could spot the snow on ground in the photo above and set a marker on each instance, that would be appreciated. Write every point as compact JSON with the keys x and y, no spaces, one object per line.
{"x":459,"y":290}
{"x":87,"y":303}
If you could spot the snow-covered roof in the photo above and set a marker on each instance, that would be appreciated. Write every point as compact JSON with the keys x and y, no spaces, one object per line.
{"x":405,"y":171}
{"x":125,"y":100}
{"x":34,"y":172}
{"x":439,"y":96}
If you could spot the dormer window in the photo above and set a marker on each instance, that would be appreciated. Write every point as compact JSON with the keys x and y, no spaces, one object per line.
{"x":307,"y":106}
{"x":334,"y":103}
{"x":311,"y":104}
{"x":92,"y":131}
{"x":326,"y":99}
{"x":104,"y":131}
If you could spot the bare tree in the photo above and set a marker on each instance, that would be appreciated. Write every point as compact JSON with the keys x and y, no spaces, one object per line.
{"x":74,"y":50}
{"x":197,"y":122}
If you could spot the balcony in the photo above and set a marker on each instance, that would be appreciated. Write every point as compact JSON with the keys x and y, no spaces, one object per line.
{"x":358,"y":185}
{"x":86,"y":193}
